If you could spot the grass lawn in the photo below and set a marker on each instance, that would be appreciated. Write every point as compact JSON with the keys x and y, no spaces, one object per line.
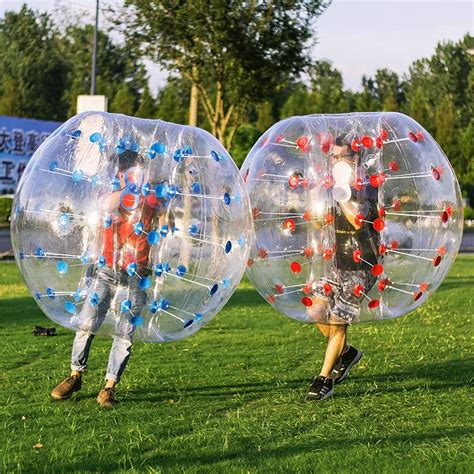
{"x":231,"y":398}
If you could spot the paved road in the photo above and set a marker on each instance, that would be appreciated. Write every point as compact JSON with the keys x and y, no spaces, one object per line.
{"x":467,"y":244}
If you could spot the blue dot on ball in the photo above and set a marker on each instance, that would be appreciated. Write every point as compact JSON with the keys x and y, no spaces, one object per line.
{"x":115,"y":184}
{"x":132,"y":268}
{"x":77,"y":175}
{"x":138,"y":228}
{"x":154,"y":305}
{"x":193,"y":229}
{"x":53,"y":166}
{"x":188,"y":323}
{"x":101,"y":261}
{"x":137,"y":320}
{"x":228,"y":246}
{"x":197,"y":317}
{"x":39,"y":252}
{"x":94,"y":299}
{"x":146,"y":189}
{"x":227,"y":198}
{"x":158,"y":148}
{"x":70,"y":307}
{"x":161,"y":190}
{"x":153,"y":237}
{"x":196,"y":188}
{"x":144,"y":283}
{"x":76,"y":134}
{"x":62,"y":267}
{"x":181,"y":270}
{"x":158,"y":269}
{"x":214,"y":289}
{"x":214,"y":155}
{"x":178,"y":156}
{"x":126,"y":305}
{"x":164,"y":304}
{"x":50,"y":292}
{"x":96,"y":137}
{"x":226,"y":282}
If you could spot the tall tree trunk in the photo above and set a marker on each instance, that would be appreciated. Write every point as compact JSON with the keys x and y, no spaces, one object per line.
{"x":193,"y":105}
{"x":194,"y":99}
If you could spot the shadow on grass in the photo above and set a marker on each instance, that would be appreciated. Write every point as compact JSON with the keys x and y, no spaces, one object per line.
{"x":293,"y":448}
{"x":436,"y":376}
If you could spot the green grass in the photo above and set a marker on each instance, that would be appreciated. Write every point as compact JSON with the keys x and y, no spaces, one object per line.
{"x":231,"y":398}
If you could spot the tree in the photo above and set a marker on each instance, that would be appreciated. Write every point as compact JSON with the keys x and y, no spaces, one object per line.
{"x":115,"y":66}
{"x":245,"y":139}
{"x":124,"y":101}
{"x":236,"y":53}
{"x":33,"y":74}
{"x":297,"y":103}
{"x":147,"y":108}
{"x":327,"y":89}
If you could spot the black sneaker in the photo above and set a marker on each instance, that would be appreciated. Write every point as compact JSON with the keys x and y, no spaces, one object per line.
{"x":345,"y":363}
{"x":321,"y":388}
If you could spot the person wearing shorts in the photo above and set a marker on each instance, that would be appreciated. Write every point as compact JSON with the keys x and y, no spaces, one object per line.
{"x":335,"y":304}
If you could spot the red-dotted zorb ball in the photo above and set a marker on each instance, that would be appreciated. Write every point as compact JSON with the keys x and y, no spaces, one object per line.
{"x":131,"y":227}
{"x":357,"y":217}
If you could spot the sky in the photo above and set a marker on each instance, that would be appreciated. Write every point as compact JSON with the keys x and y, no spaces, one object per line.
{"x":358,"y":36}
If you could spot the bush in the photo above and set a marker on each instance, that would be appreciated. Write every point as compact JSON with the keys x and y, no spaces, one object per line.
{"x":5,"y":209}
{"x":244,"y":140}
{"x":468,"y":213}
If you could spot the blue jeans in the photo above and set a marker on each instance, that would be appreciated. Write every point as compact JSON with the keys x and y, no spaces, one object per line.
{"x":105,"y":284}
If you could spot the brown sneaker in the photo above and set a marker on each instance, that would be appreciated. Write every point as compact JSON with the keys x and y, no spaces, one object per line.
{"x":67,"y":387}
{"x":106,"y":398}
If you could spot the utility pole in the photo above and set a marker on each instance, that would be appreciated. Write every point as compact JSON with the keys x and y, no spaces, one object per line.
{"x":94,"y":50}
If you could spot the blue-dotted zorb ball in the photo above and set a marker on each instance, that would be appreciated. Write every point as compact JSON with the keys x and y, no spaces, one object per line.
{"x":131,"y":227}
{"x":358,"y":217}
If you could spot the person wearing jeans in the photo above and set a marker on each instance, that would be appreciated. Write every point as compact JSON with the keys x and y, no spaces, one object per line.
{"x":111,"y":283}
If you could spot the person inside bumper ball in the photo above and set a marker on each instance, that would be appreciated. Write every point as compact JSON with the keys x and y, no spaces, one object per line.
{"x":117,"y":281}
{"x":352,"y":253}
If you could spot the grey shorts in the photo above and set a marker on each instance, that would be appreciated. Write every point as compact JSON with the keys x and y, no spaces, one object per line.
{"x":344,"y":305}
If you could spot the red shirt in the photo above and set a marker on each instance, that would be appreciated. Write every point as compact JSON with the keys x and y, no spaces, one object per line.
{"x":120,"y":244}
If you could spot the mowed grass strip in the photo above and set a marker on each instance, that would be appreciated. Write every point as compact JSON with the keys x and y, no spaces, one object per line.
{"x":231,"y":398}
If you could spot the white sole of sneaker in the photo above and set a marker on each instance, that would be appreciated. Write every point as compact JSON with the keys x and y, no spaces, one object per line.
{"x":354,"y":362}
{"x":312,"y":396}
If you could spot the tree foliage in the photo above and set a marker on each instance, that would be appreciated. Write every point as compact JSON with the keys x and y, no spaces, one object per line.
{"x":237,"y":53}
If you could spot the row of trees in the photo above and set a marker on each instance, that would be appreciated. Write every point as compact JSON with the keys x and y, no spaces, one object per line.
{"x":235,"y":71}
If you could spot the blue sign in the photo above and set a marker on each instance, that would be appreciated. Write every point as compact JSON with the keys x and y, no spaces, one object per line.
{"x":19,"y":139}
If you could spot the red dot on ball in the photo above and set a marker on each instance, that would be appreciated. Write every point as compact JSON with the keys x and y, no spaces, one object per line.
{"x":412,"y":137}
{"x":393,"y":166}
{"x":289,"y":224}
{"x":373,"y":304}
{"x":355,"y":145}
{"x":327,"y":289}
{"x":444,"y":217}
{"x":367,"y":141}
{"x":417,"y":295}
{"x":383,"y":134}
{"x":375,"y":180}
{"x":295,"y":267}
{"x":379,"y":224}
{"x":356,"y":256}
{"x":358,"y":289}
{"x":437,"y":261}
{"x":303,"y":143}
{"x":294,"y":181}
{"x":128,"y":200}
{"x":307,"y":301}
{"x":377,"y":269}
